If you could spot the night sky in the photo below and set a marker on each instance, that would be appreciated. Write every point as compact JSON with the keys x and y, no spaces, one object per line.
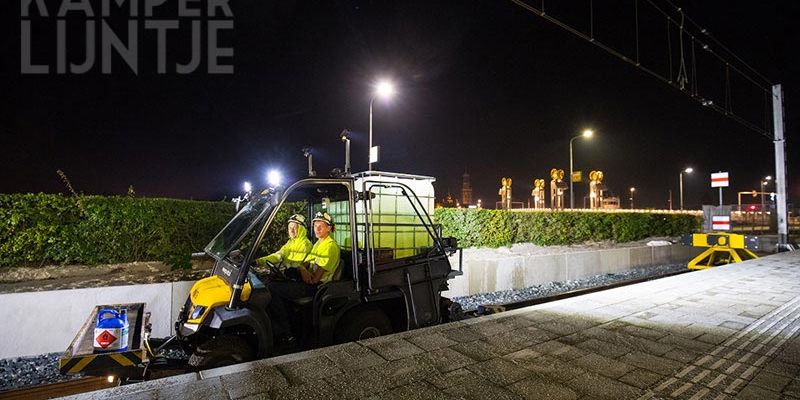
{"x":483,"y":86}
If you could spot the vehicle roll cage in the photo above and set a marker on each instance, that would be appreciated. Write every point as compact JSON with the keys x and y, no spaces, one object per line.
{"x":279,"y":198}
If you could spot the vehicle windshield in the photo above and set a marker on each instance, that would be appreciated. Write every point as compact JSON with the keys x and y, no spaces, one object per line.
{"x":232,"y":234}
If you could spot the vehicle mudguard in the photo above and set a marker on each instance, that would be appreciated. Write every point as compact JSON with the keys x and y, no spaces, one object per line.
{"x":224,"y":318}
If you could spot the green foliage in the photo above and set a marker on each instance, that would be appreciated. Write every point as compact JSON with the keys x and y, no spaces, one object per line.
{"x":36,"y":229}
{"x":494,"y":228}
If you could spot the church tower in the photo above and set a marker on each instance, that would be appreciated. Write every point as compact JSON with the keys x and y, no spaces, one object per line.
{"x":466,"y":191}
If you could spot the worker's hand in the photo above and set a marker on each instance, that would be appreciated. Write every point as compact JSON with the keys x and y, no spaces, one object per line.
{"x":305,"y":274}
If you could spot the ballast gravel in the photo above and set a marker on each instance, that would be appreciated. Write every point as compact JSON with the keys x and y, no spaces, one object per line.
{"x":471,"y":302}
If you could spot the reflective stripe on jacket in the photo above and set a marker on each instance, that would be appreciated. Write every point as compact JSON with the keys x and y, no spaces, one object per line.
{"x":325,"y":254}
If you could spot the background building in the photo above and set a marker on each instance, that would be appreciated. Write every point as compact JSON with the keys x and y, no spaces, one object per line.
{"x":466,"y":191}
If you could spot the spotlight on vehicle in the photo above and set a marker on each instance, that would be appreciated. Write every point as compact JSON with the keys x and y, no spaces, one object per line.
{"x":274,"y":178}
{"x":307,"y":153}
{"x":345,"y":136}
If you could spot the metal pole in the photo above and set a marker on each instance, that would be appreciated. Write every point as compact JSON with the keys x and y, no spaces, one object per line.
{"x":680,"y":179}
{"x":369,"y":152}
{"x":347,"y":156}
{"x":670,"y":199}
{"x":739,"y":196}
{"x":763,"y":212}
{"x":780,"y":166}
{"x":720,"y":196}
{"x":571,"y":191}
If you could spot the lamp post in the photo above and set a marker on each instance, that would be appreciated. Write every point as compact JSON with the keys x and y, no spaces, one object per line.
{"x":688,"y":171}
{"x":764,"y":182}
{"x":633,"y":189}
{"x":383,"y":89}
{"x":586,"y":134}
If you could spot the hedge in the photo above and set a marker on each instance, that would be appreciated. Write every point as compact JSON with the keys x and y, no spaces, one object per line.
{"x":38,"y":229}
{"x":495,"y":228}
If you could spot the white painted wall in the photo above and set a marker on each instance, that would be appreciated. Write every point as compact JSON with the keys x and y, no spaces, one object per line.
{"x":46,"y":322}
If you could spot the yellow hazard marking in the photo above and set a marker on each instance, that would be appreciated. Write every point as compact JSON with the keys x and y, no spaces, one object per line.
{"x":81,"y":364}
{"x":122,"y":360}
{"x":722,"y":248}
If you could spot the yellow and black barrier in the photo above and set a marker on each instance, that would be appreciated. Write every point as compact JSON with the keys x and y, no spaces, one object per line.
{"x":723,"y":248}
{"x":102,"y":362}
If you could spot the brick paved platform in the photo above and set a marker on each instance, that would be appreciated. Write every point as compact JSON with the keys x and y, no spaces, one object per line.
{"x":728,"y":332}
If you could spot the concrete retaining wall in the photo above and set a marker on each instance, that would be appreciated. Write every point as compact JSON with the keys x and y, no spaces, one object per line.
{"x":482,"y":275}
{"x":46,"y":322}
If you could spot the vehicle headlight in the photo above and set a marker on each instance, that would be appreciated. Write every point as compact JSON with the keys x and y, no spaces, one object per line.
{"x":197,"y":312}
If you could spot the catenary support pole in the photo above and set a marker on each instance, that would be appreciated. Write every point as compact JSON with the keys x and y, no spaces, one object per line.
{"x":780,"y":167}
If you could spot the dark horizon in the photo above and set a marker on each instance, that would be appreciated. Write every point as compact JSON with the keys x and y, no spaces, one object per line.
{"x":484,"y":87}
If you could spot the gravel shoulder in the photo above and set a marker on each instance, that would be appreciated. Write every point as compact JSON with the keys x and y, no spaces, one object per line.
{"x":60,"y":277}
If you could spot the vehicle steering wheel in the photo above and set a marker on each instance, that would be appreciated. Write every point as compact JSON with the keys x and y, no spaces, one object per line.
{"x":275,"y":271}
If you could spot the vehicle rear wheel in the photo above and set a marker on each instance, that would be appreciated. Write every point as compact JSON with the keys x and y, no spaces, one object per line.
{"x":221,"y":351}
{"x":362,"y":323}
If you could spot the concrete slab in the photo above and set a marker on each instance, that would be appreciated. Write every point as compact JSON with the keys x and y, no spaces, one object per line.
{"x":517,"y":271}
{"x":52,"y":318}
{"x":707,"y":335}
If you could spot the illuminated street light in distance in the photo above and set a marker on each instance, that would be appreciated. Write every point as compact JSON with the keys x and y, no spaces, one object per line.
{"x":384,"y":89}
{"x":247,"y":187}
{"x":689,"y":170}
{"x":274,"y":178}
{"x":587,"y":133}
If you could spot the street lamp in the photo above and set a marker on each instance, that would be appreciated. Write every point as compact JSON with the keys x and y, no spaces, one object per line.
{"x":384,"y":89}
{"x":633,"y":189}
{"x":688,"y":171}
{"x":588,"y":133}
{"x":764,"y":182}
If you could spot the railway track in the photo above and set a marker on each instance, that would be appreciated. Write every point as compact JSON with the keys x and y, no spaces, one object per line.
{"x":89,"y":384}
{"x":67,"y":388}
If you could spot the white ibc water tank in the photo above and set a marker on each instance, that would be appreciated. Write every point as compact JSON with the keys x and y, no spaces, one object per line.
{"x":421,"y":185}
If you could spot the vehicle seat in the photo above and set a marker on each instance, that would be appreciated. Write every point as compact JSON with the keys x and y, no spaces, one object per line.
{"x":343,"y":272}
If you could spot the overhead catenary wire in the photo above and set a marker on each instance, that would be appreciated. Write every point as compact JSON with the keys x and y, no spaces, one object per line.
{"x":765,"y":86}
{"x":636,"y":16}
{"x":669,"y":52}
{"x":718,"y":43}
{"x":682,"y":77}
{"x":693,"y":91}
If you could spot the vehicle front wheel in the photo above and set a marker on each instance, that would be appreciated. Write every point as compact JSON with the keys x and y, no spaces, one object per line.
{"x":221,"y":351}
{"x":362,"y":323}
